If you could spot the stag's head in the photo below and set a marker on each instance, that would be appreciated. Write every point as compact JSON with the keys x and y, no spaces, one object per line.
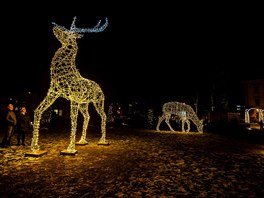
{"x":63,"y":34}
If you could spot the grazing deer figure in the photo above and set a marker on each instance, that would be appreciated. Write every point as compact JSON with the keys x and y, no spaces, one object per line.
{"x":67,"y":82}
{"x":183,"y":111}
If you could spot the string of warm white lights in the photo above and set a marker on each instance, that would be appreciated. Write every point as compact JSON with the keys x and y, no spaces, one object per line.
{"x":183,"y":111}
{"x":67,"y":82}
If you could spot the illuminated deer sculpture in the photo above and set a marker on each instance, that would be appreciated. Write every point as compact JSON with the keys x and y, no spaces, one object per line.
{"x":67,"y":82}
{"x":183,"y":111}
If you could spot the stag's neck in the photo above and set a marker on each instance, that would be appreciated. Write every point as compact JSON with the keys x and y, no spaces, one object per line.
{"x":64,"y":59}
{"x":66,"y":54}
{"x":194,"y":118}
{"x":190,"y":113}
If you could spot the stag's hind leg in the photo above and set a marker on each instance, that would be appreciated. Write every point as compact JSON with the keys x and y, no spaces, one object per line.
{"x":166,"y":117}
{"x":167,"y":120}
{"x":99,"y":106}
{"x":86,"y":117}
{"x":161,"y":118}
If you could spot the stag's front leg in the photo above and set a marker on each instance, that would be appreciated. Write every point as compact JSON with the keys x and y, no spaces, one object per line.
{"x":74,"y":116}
{"x":44,"y":105}
{"x":183,"y":125}
{"x":185,"y":120}
{"x":36,"y":125}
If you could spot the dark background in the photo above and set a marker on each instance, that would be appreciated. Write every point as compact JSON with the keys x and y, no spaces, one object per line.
{"x":150,"y":51}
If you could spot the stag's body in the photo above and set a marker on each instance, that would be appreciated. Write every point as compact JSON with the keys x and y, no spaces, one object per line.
{"x":183,"y":111}
{"x":67,"y":82}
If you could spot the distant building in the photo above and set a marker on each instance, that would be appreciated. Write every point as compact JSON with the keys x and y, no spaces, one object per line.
{"x":254,"y":93}
{"x":254,"y":99}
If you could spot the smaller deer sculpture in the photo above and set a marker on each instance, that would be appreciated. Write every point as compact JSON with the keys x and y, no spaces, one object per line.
{"x":67,"y":82}
{"x":184,"y":112}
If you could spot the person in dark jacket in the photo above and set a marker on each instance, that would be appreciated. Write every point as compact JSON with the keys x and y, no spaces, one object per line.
{"x":23,"y":125}
{"x":10,"y":123}
{"x":261,"y":125}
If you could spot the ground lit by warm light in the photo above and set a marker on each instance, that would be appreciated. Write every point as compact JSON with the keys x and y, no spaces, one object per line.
{"x":137,"y":163}
{"x":178,"y":132}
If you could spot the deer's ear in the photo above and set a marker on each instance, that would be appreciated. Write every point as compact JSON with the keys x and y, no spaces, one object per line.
{"x":78,"y":36}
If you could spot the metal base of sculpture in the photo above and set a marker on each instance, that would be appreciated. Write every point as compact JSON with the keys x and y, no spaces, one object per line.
{"x":103,"y":143}
{"x":66,"y":152}
{"x":35,"y":154}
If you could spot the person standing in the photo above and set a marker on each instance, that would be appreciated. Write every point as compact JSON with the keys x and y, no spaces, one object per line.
{"x":10,"y":123}
{"x":23,"y":125}
{"x":261,"y":125}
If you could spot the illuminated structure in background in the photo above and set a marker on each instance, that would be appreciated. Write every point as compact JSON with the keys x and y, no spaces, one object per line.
{"x":110,"y":116}
{"x":150,"y":118}
{"x":184,"y":112}
{"x":67,"y":82}
{"x":259,"y":114}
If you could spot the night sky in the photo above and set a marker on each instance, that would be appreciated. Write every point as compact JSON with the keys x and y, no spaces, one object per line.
{"x":149,"y":51}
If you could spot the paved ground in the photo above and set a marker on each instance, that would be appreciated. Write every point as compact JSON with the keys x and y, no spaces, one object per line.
{"x":137,"y":163}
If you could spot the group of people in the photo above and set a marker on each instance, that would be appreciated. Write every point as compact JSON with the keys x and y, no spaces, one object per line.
{"x":19,"y":122}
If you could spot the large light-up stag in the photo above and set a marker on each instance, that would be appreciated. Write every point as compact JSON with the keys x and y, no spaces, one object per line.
{"x":67,"y":82}
{"x":184,"y":112}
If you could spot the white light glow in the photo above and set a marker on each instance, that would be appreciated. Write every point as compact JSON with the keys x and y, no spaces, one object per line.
{"x":67,"y":82}
{"x":184,"y":112}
